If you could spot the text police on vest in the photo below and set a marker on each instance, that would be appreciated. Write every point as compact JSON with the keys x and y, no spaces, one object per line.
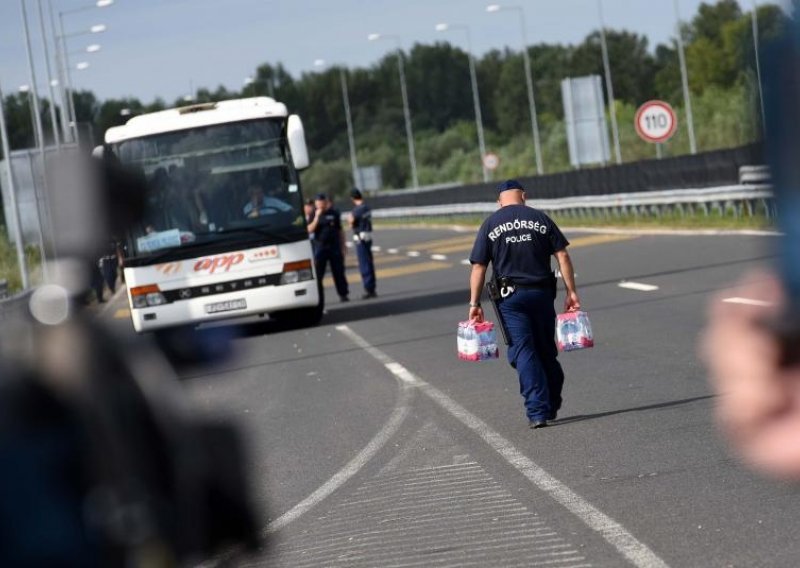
{"x":516,"y":225}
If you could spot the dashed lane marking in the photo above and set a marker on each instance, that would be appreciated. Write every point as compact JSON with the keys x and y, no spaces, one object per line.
{"x":639,"y":286}
{"x":393,"y":251}
{"x":414,"y":253}
{"x":749,"y":302}
{"x":636,"y":552}
{"x":466,"y":262}
{"x":438,"y":257}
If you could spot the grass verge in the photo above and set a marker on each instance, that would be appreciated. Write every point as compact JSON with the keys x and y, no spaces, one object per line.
{"x":9,"y":267}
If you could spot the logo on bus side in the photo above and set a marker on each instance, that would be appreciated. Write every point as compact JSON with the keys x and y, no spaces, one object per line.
{"x":169,"y":268}
{"x":222,"y":263}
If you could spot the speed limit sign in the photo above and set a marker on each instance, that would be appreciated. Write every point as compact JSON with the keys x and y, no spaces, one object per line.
{"x":656,"y":122}
{"x":491,"y":161}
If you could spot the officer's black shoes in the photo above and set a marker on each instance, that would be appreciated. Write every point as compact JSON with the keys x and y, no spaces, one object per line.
{"x":536,"y":424}
{"x":552,"y":415}
{"x":369,"y":295}
{"x":344,"y":299}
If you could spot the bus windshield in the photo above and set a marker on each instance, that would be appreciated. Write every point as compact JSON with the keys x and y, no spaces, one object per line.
{"x":211,"y":183}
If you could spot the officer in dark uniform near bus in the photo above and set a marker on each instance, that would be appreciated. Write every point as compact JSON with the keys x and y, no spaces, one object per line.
{"x":361,"y":223}
{"x":518,"y":241}
{"x":329,"y":239}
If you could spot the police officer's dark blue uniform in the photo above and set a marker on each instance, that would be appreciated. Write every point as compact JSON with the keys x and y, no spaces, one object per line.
{"x":361,"y":222}
{"x":329,"y":244}
{"x":519,"y":241}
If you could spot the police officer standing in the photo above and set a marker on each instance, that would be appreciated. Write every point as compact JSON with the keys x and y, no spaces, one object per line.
{"x":519,"y":240}
{"x":330,"y":244}
{"x":361,"y":223}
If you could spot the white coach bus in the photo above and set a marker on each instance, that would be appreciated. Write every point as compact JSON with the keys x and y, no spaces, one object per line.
{"x":224,"y":234}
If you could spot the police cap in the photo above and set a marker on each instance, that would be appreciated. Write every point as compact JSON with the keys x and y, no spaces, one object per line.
{"x":321,"y":197}
{"x":355,"y":193}
{"x":509,"y":184}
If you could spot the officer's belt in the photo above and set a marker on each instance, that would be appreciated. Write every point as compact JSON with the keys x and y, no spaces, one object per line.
{"x":549,"y":282}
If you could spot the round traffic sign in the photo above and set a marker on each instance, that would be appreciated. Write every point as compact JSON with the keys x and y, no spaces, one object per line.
{"x":656,"y":122}
{"x":491,"y":161}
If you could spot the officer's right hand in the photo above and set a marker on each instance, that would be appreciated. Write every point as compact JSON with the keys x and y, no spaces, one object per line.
{"x":476,"y":314}
{"x":572,"y":303}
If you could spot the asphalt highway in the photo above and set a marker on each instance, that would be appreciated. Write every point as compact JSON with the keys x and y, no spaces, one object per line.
{"x":371,"y":444}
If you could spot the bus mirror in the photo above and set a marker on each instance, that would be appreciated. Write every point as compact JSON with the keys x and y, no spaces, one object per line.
{"x":297,"y":142}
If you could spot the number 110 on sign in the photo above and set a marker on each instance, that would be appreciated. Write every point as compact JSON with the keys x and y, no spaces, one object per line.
{"x":656,"y":122}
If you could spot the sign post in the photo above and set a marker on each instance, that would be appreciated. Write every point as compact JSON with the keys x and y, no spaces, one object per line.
{"x":656,"y":123}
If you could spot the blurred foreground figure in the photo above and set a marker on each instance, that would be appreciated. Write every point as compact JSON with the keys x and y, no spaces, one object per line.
{"x":101,"y":462}
{"x":759,"y":402}
{"x":753,"y":351}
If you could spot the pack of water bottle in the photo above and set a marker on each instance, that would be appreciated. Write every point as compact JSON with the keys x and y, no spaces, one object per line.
{"x":574,"y":331}
{"x":477,"y":341}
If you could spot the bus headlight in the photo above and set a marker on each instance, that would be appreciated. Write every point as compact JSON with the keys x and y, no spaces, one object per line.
{"x":294,"y":272}
{"x":147,"y":296}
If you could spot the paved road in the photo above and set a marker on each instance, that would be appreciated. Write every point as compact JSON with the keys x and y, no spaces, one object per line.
{"x":372,"y":445}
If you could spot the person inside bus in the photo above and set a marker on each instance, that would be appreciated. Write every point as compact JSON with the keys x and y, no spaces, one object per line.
{"x":260,"y":205}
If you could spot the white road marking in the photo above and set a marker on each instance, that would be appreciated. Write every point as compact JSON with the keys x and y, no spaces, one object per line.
{"x":389,"y":429}
{"x":413,"y":253}
{"x":466,"y":262}
{"x":638,"y":553}
{"x":438,"y":257}
{"x":392,"y":251}
{"x":748,"y":302}
{"x":376,"y":248}
{"x":638,"y":286}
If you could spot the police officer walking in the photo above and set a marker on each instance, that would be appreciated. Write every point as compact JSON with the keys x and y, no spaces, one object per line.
{"x":361,"y":223}
{"x":519,"y":240}
{"x":329,"y":245}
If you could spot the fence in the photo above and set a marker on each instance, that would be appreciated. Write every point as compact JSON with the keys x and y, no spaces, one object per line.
{"x":708,"y":169}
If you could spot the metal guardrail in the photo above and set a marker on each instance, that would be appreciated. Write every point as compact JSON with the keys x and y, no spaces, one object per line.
{"x":741,"y":199}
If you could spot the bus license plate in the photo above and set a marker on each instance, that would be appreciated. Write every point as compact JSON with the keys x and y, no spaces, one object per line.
{"x":227,"y":306}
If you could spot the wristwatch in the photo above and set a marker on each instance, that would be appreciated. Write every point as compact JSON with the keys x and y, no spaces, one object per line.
{"x":475,"y":305}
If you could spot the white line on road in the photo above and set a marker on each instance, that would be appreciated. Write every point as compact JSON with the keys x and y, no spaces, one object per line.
{"x":438,"y":257}
{"x":638,"y":286}
{"x":376,"y":248}
{"x":413,"y":253}
{"x":748,"y":302}
{"x":392,"y":251}
{"x":614,"y":533}
{"x":389,"y":429}
{"x":466,"y":262}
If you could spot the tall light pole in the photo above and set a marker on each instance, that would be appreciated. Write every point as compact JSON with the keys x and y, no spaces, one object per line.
{"x":476,"y":99}
{"x":48,"y":70}
{"x":528,"y":81}
{"x":758,"y":64}
{"x":12,"y":196}
{"x":351,"y":140}
{"x":612,"y":107}
{"x":95,"y":29}
{"x":37,"y":120}
{"x":412,"y":158}
{"x":687,"y":98}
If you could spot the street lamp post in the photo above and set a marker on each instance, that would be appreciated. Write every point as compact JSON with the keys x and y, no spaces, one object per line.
{"x":406,"y":111}
{"x":48,"y":70}
{"x":475,"y":94}
{"x":528,"y":81}
{"x":612,"y":107}
{"x":687,"y":98}
{"x":758,"y":64}
{"x":12,"y":196}
{"x":351,"y":140}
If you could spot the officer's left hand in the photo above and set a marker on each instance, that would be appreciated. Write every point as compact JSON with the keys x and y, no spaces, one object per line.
{"x":476,"y":314}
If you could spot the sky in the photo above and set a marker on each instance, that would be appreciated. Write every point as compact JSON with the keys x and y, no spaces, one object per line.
{"x":165,"y":48}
